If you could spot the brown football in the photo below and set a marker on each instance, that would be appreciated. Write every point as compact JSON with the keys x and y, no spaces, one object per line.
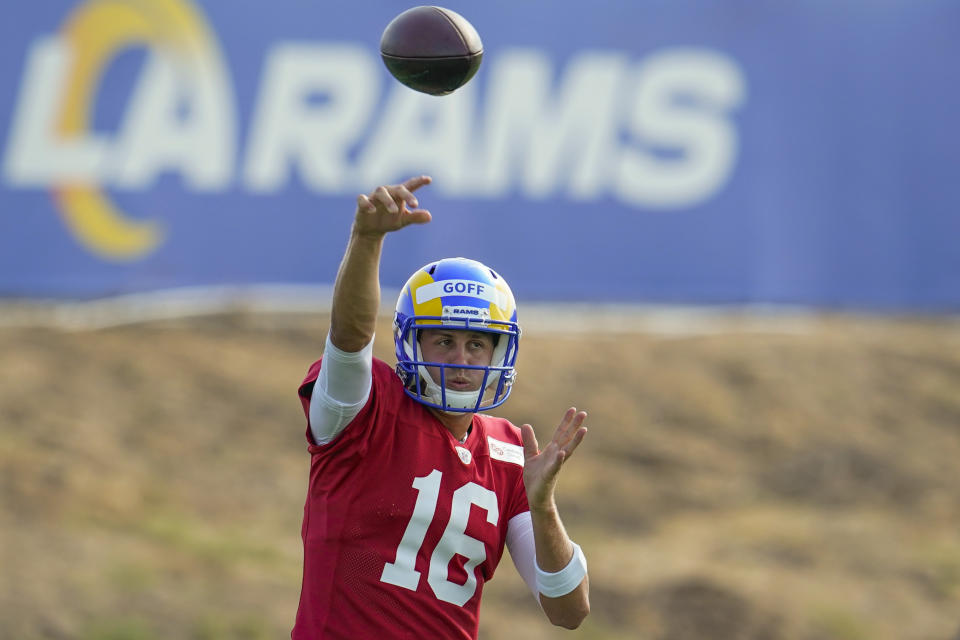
{"x":431,"y":49}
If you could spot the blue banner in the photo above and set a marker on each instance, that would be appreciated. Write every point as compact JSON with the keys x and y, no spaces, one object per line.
{"x":683,"y":152}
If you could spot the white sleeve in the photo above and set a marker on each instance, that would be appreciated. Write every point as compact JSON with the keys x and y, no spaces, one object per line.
{"x":341,"y":390}
{"x":522,"y":550}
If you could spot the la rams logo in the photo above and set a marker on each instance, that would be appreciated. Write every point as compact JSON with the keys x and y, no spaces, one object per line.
{"x":54,"y":143}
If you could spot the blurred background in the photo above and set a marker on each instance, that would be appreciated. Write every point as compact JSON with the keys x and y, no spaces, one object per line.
{"x":731,"y":229}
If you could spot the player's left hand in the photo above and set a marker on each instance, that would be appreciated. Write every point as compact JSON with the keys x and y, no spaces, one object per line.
{"x":541,"y":468}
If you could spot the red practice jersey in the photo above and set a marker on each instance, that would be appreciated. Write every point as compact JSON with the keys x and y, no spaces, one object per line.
{"x":403,"y":524}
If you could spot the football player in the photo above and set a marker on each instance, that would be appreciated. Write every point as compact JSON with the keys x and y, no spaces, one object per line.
{"x":413,"y":492}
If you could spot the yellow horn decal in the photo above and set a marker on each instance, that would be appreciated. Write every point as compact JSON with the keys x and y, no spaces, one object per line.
{"x":96,"y":31}
{"x":428,"y":308}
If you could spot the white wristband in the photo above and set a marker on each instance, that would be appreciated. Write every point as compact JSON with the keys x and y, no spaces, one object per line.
{"x":567,"y":579}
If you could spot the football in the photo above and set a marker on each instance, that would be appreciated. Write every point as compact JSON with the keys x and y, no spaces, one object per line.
{"x":431,"y":49}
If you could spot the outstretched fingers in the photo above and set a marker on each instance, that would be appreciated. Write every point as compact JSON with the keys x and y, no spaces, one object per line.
{"x":570,"y":432}
{"x":416,"y":215}
{"x":392,"y":207}
{"x":404,"y":193}
{"x":412,"y":184}
{"x":541,"y":468}
{"x":568,"y":436}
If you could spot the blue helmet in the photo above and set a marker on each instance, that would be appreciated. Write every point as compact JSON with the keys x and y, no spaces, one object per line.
{"x":463,"y":294}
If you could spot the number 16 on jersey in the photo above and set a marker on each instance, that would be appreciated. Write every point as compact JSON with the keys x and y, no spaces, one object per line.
{"x":454,"y":540}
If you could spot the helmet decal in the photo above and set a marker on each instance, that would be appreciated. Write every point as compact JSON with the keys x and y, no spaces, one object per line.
{"x":431,"y":307}
{"x":461,"y":288}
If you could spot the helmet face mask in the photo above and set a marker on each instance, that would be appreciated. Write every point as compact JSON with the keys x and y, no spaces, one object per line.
{"x":462,"y":295}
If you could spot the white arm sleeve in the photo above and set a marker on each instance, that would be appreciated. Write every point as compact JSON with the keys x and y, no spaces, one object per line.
{"x":341,"y":390}
{"x":522,"y":550}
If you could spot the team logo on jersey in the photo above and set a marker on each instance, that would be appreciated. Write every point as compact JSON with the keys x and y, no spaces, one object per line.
{"x":465,"y":455}
{"x":505,"y":451}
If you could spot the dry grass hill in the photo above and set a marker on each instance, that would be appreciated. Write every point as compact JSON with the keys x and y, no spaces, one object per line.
{"x":735,"y":485}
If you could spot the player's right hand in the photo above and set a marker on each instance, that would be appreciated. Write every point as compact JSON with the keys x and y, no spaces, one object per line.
{"x":390,"y":207}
